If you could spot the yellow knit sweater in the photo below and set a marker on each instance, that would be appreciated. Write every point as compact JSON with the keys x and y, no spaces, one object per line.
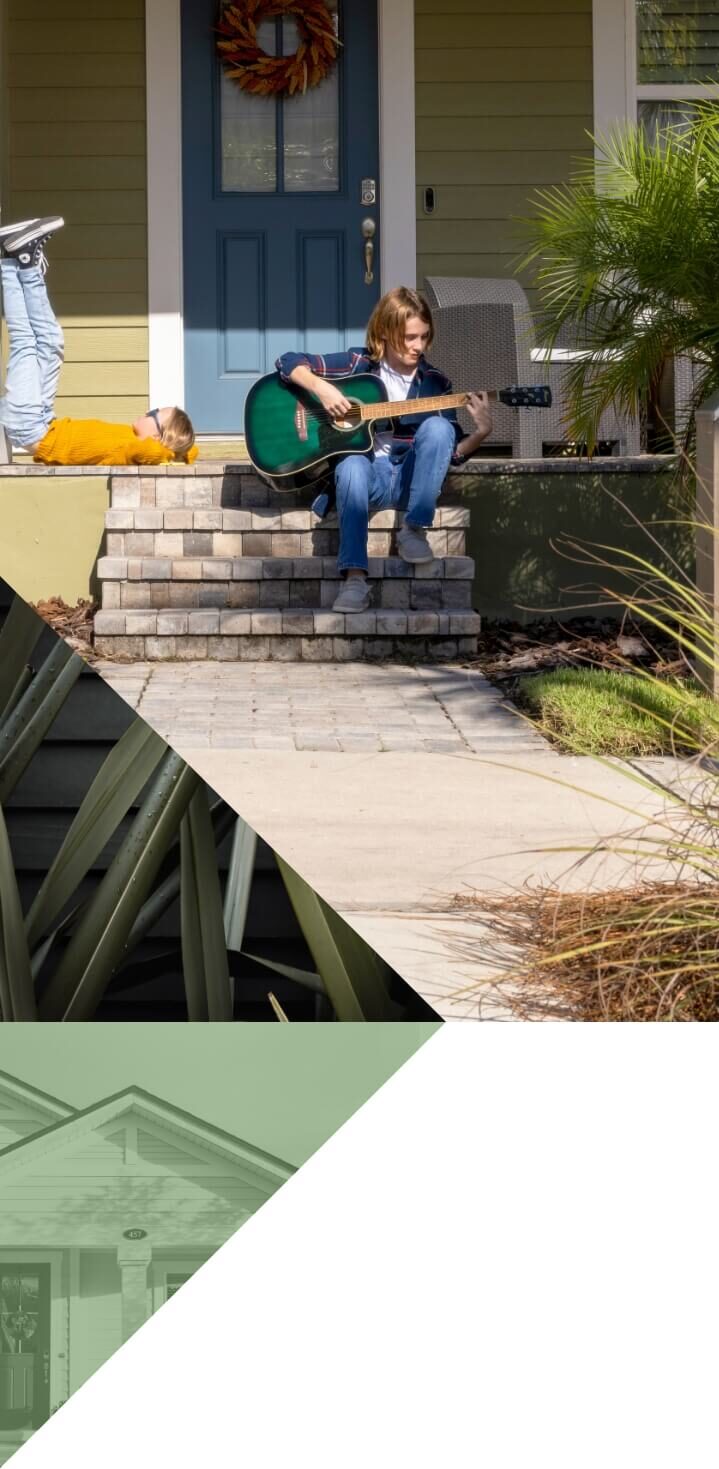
{"x":90,"y":441}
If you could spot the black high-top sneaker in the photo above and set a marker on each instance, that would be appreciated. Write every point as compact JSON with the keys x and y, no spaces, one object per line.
{"x":25,"y":245}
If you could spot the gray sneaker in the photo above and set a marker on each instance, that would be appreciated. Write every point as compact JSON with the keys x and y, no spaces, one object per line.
{"x":413,"y":545}
{"x":354,"y":596}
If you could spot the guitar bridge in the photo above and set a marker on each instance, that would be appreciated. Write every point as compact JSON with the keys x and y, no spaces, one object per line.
{"x":301,"y":423}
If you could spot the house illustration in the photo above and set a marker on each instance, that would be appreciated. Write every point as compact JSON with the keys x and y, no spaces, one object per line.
{"x":104,"y":1213}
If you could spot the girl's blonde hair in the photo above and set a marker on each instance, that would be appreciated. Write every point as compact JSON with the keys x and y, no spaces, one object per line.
{"x":388,"y":322}
{"x":178,"y":433}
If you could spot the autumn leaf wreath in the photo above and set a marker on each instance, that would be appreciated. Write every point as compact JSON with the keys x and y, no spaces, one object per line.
{"x":274,"y":76}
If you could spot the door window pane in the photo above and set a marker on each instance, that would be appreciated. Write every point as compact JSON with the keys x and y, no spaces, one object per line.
{"x":308,"y":124}
{"x":249,"y":130}
{"x":677,"y":41}
{"x":311,"y":129}
{"x":19,"y":1312}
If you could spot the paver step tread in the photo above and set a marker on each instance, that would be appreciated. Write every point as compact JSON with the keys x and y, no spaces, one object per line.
{"x":285,"y":622}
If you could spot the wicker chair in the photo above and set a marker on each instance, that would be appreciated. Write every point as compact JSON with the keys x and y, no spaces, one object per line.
{"x":485,"y":336}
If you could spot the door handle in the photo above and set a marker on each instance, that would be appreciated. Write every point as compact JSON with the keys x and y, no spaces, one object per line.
{"x":369,"y":230}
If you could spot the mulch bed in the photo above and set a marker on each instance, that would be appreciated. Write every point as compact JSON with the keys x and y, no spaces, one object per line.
{"x":510,"y":651}
{"x":74,"y":624}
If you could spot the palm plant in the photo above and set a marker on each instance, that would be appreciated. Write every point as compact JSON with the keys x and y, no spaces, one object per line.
{"x":626,"y":255}
{"x":59,"y":959}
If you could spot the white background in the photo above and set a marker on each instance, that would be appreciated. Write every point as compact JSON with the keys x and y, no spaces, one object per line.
{"x":506,"y":1258}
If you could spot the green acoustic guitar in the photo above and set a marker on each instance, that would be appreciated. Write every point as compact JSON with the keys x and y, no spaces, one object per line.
{"x":292,"y":441}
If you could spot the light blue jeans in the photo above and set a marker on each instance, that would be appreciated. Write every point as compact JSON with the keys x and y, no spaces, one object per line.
{"x":364,"y":484}
{"x":36,"y":354}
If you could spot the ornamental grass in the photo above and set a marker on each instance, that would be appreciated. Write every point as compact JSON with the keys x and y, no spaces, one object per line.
{"x":647,"y":953}
{"x":647,"y":950}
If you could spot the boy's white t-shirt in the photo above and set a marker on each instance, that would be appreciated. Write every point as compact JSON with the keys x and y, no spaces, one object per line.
{"x":398,"y":385}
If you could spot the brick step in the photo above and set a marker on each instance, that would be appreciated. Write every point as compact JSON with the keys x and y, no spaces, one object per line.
{"x":287,"y":621}
{"x":145,"y":518}
{"x":311,"y":635}
{"x":280,"y":582}
{"x":227,"y":490}
{"x":273,"y":540}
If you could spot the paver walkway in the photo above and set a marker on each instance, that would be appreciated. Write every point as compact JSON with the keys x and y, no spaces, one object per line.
{"x":440,"y":709}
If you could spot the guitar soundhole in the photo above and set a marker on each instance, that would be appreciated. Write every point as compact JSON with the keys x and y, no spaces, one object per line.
{"x":351,"y":421}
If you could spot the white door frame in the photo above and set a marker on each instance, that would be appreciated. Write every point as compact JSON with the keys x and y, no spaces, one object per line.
{"x":58,"y":1315}
{"x":164,"y":177}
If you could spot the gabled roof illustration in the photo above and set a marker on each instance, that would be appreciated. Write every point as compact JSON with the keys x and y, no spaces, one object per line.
{"x":154,"y":1110}
{"x":22,"y":1091}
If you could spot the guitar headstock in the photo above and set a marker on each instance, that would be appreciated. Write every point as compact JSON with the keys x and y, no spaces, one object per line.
{"x":531,"y":397}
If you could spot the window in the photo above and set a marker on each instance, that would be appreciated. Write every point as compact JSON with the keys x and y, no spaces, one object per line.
{"x":173,"y":1284}
{"x":673,"y":58}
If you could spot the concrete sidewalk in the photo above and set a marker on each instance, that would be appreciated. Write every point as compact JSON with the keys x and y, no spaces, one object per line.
{"x":393,"y":788}
{"x":390,"y":839}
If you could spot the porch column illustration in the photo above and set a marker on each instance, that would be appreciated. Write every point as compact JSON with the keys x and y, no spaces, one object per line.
{"x":133,"y":1258}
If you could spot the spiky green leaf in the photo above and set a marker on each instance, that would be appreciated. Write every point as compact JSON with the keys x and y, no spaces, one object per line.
{"x":17,"y":989}
{"x":98,"y":944}
{"x":355,"y":979}
{"x":123,"y":774}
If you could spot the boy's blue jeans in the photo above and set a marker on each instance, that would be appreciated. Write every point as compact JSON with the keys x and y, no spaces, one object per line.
{"x":35,"y":358}
{"x":364,"y":484}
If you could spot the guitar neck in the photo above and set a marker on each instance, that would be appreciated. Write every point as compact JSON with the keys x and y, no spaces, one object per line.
{"x":371,"y":411}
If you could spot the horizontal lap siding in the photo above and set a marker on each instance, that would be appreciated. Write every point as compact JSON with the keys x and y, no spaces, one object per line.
{"x":504,"y":105}
{"x":77,"y":147}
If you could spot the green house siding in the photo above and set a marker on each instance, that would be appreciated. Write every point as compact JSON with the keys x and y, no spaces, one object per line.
{"x":75,"y":76}
{"x":504,"y":104}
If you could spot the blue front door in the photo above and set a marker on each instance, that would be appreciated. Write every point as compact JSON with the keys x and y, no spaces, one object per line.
{"x":275,"y":198}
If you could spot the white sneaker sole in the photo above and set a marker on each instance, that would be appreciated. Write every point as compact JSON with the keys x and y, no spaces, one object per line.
{"x":12,"y":229}
{"x":39,"y":230}
{"x":338,"y":606}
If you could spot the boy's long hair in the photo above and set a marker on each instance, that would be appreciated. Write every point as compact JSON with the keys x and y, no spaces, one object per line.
{"x":388,"y":322}
{"x":178,"y":433}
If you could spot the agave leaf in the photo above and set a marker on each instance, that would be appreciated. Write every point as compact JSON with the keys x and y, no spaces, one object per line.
{"x":100,"y":939}
{"x":239,"y":882}
{"x":26,"y":677}
{"x":27,"y":726}
{"x":20,"y":632}
{"x":204,"y":947}
{"x":223,"y":818}
{"x":119,"y":781}
{"x":17,"y":989}
{"x":355,"y":979}
{"x":39,"y":955}
{"x":304,"y":977}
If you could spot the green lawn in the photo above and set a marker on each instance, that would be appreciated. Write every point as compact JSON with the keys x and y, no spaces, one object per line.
{"x":605,"y":713}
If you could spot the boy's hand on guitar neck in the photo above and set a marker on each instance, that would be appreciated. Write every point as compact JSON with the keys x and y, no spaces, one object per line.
{"x":332,"y":400}
{"x":480,"y":412}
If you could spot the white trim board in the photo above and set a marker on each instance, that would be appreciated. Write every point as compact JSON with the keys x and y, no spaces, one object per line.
{"x":164,"y":177}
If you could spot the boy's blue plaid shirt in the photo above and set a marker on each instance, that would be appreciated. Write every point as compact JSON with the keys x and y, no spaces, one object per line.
{"x":428,"y":382}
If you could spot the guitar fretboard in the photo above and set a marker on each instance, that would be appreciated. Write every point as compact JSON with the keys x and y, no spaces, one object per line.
{"x":371,"y":411}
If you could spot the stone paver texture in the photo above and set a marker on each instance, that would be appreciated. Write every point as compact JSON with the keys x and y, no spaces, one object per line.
{"x":353,"y":707}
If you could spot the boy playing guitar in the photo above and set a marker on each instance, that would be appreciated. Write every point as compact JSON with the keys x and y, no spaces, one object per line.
{"x":407,"y":468}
